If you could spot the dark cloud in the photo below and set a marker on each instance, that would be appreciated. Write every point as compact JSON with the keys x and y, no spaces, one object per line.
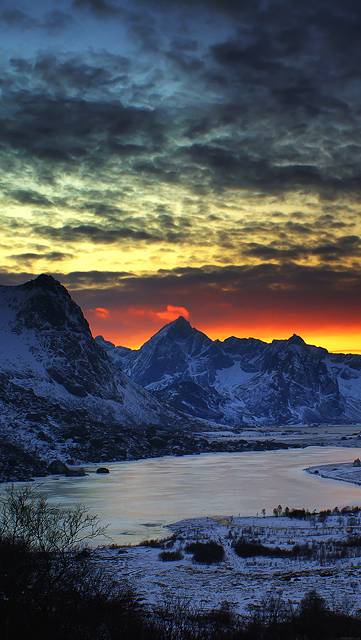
{"x":56,"y":20}
{"x":75,"y":74}
{"x":53,"y":21}
{"x":229,"y":168}
{"x":74,"y":280}
{"x":204,"y":108}
{"x":265,"y":282}
{"x":233,"y":7}
{"x":276,"y":128}
{"x":70,"y":129}
{"x":212,"y":293}
{"x":271,"y":280}
{"x":345,"y":247}
{"x":29,"y":196}
{"x":101,"y":8}
{"x":95,"y":279}
{"x":94,"y":233}
{"x":17,"y":18}
{"x":140,"y":229}
{"x":29,"y":258}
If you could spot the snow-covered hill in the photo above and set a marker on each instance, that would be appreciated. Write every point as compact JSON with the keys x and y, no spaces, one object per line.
{"x":243,"y":380}
{"x":60,"y":394}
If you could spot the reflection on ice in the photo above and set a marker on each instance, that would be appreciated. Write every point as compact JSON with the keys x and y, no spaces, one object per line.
{"x":139,"y":498}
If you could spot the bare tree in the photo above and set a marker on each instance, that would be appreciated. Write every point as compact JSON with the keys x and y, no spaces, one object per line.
{"x":27,"y":517}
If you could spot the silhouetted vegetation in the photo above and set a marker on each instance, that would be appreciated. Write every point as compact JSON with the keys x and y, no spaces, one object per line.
{"x":159,"y":543}
{"x":306,"y":514}
{"x":50,"y":589}
{"x":206,"y":552}
{"x":249,"y":549}
{"x":169,"y":556}
{"x":322,"y":551}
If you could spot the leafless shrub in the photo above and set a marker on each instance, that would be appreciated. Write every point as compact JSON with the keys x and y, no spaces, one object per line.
{"x":27,"y":517}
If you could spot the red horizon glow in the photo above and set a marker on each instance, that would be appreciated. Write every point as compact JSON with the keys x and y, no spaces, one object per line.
{"x":132,"y":326}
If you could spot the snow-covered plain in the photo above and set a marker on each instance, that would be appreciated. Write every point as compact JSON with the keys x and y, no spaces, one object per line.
{"x":245,"y":582}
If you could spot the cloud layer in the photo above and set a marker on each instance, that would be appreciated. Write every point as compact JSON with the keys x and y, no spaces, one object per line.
{"x":209,"y":146}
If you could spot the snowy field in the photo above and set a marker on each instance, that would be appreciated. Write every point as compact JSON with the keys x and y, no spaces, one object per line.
{"x":322,"y":552}
{"x":346,"y":472}
{"x":315,"y":435}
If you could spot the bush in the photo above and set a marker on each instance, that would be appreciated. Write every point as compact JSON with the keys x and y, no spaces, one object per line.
{"x":303,"y":551}
{"x":152,"y":543}
{"x":250,"y":549}
{"x":158,"y":543}
{"x":170,"y":556}
{"x":245,"y":549}
{"x":206,"y":552}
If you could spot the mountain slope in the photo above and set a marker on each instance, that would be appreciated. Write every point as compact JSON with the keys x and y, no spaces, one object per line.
{"x":244,"y":380}
{"x":60,"y":393}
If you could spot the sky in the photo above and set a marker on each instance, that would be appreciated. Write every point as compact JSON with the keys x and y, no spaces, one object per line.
{"x":186,"y":157}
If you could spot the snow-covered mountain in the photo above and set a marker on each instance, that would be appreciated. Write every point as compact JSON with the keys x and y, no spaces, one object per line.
{"x":69,"y":397}
{"x":61,"y":396}
{"x":244,"y":380}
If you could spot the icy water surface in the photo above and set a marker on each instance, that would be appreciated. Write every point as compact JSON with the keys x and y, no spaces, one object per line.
{"x":138,"y":499}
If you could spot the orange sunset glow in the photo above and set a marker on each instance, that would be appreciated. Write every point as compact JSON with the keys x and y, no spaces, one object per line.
{"x":132,"y":327}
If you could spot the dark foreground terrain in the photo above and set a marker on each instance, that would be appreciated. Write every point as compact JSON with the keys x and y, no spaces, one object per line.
{"x":51,"y":588}
{"x":76,"y":603}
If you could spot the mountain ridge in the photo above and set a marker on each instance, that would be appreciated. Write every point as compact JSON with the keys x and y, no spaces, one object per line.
{"x":246,"y":380}
{"x":66,"y":396}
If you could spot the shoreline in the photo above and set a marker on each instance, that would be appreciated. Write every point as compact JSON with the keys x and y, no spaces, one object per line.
{"x":226,"y":446}
{"x":247,"y":439}
{"x":342,"y":472}
{"x":90,"y":467}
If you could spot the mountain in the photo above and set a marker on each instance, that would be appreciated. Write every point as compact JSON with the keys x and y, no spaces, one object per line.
{"x":61,"y":396}
{"x":243,"y":380}
{"x":66,"y":397}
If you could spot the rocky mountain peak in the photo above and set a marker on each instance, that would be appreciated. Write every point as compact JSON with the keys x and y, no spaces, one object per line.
{"x":43,"y":280}
{"x":179,"y":329}
{"x":44,"y":303}
{"x":296,"y":340}
{"x":181,"y":322}
{"x":181,"y":326}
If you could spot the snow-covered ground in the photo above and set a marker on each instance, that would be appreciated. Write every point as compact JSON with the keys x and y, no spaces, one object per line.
{"x":346,"y":472}
{"x":333,"y":568}
{"x":302,"y":436}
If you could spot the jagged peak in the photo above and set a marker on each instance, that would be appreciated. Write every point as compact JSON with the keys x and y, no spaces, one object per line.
{"x":44,"y":301}
{"x":179,"y":327}
{"x":295,"y":339}
{"x":181,"y":321}
{"x":43,"y":280}
{"x":177,"y":330}
{"x":244,"y":340}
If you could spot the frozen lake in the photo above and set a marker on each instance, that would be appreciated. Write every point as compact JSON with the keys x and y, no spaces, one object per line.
{"x":139,"y":498}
